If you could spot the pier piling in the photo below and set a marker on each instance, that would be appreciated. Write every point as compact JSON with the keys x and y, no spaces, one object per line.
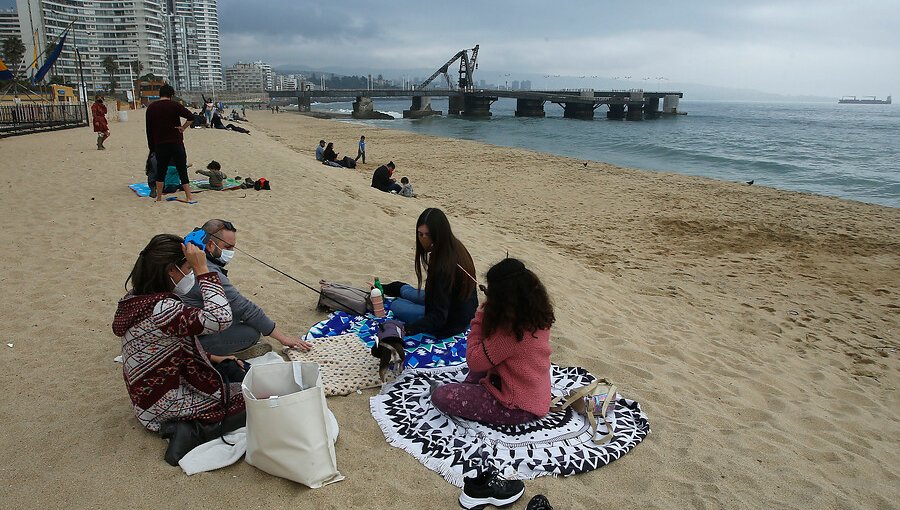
{"x":477,"y":106}
{"x":530,"y":108}
{"x":421,"y":107}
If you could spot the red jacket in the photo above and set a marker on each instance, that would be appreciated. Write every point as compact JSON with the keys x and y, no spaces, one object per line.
{"x":518,"y":373}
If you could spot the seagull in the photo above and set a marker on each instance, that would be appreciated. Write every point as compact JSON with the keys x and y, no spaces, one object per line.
{"x":750,"y":182}
{"x":585,"y":164}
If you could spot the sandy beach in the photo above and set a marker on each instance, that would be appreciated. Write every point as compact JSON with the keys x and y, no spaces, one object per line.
{"x":758,"y":328}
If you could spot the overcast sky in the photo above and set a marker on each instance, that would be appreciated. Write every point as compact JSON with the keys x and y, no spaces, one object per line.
{"x":818,"y":47}
{"x":821,"y":47}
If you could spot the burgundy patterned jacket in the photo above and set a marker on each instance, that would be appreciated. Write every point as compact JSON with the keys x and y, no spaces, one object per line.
{"x":167,"y":373}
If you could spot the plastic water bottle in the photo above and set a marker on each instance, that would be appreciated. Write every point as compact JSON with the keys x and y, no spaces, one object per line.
{"x":377,"y":302}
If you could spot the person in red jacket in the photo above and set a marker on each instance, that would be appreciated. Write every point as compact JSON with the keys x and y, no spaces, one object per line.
{"x":508,"y":352}
{"x":101,"y":126}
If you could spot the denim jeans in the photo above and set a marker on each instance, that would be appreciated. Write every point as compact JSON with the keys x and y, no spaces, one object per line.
{"x":236,"y":338}
{"x":410,"y":306}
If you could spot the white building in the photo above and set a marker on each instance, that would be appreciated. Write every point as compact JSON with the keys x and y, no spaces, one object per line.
{"x":9,"y":27}
{"x":177,"y":40}
{"x":206,"y":16}
{"x":127,"y":31}
{"x":243,"y":77}
{"x":183,"y":53}
{"x":267,"y":71}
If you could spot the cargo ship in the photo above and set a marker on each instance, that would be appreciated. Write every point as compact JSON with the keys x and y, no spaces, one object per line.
{"x":863,"y":100}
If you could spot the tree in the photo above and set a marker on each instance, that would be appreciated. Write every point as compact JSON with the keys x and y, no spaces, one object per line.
{"x":109,"y":63}
{"x":137,"y":66}
{"x":13,"y":51}
{"x":149,"y":77}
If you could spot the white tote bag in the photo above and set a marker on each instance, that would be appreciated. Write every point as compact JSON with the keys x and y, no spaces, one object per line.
{"x":290,"y":431}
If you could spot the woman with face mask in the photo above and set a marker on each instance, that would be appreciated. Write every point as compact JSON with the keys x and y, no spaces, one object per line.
{"x":174,"y":388}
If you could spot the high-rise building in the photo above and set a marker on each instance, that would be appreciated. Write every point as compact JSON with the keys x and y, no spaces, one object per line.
{"x":183,"y":53}
{"x":267,"y":71}
{"x":123,"y":31}
{"x":176,"y":40}
{"x":206,"y":16}
{"x":9,"y":27}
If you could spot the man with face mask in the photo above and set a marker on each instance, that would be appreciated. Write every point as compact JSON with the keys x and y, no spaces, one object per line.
{"x":242,"y":339}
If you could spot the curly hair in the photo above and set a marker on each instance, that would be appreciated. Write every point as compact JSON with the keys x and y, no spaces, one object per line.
{"x":516,"y":300}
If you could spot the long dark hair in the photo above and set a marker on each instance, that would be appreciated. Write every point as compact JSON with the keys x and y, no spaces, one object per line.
{"x":516,"y":300}
{"x":446,"y":252}
{"x":151,"y":270}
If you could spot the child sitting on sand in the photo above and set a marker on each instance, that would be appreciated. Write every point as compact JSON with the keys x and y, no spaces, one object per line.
{"x":215,"y":174}
{"x":406,"y":188}
{"x":508,"y":352}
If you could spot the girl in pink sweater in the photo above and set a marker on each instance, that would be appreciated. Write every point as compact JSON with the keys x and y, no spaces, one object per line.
{"x":508,"y":352}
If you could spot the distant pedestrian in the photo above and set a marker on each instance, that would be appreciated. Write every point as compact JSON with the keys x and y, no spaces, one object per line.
{"x":361,"y":153}
{"x":165,"y":137}
{"x":101,"y":126}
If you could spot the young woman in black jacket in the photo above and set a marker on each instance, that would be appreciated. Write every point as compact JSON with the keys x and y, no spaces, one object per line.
{"x":447,"y":303}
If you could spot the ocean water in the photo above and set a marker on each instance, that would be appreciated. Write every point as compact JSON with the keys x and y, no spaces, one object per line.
{"x":848,"y":151}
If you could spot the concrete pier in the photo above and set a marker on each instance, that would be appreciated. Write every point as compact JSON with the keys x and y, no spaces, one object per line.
{"x":584,"y":111}
{"x":635,"y":106}
{"x":530,"y":108}
{"x":421,"y":107}
{"x":632,"y":104}
{"x":670,"y":104}
{"x":477,"y":106}
{"x":455,"y":106}
{"x":616,"y":111}
{"x":651,"y":108}
{"x":364,"y":108}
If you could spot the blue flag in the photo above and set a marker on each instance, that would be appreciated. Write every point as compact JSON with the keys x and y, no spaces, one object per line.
{"x":50,"y":60}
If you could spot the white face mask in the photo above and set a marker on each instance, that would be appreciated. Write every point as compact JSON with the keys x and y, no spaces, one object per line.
{"x":226,"y":255}
{"x":185,"y":284}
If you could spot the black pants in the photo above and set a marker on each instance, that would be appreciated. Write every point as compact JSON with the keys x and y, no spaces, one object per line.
{"x":171,"y":154}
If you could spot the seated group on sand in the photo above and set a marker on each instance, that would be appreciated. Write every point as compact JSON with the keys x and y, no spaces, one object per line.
{"x":381,"y":177}
{"x":186,"y":331}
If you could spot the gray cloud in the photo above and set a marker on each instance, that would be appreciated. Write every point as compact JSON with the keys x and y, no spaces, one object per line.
{"x":828,"y":47}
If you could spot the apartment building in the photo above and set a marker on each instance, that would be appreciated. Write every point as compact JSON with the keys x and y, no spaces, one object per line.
{"x":176,"y":40}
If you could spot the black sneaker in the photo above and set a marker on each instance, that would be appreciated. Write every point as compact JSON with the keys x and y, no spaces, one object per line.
{"x":539,"y":502}
{"x":490,"y":489}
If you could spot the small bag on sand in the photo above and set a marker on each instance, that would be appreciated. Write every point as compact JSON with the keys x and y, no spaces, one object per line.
{"x":290,"y":430}
{"x":595,"y":400}
{"x":339,"y":297}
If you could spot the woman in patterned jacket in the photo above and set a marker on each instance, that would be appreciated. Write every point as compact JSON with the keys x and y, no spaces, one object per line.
{"x":173,"y":386}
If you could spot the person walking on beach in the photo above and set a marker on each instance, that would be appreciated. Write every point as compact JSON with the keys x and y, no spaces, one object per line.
{"x":361,"y":153}
{"x":101,"y":126}
{"x":165,"y":137}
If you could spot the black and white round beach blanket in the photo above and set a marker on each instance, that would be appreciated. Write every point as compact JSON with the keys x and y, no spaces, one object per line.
{"x":559,"y":444}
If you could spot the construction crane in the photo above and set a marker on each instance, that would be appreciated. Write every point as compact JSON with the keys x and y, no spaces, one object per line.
{"x":466,"y":67}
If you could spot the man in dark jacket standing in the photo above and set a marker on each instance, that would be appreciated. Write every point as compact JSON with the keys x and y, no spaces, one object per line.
{"x":381,"y":179}
{"x":165,"y":137}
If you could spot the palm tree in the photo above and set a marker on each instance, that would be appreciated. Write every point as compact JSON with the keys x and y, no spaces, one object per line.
{"x":109,"y":63}
{"x":13,"y":51}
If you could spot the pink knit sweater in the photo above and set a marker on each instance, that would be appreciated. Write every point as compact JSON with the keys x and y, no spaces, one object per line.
{"x":522,"y":368}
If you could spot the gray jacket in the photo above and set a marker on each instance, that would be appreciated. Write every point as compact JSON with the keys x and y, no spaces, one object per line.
{"x":243,"y":309}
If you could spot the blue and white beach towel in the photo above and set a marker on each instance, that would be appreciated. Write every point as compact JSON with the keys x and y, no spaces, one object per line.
{"x":422,"y":350}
